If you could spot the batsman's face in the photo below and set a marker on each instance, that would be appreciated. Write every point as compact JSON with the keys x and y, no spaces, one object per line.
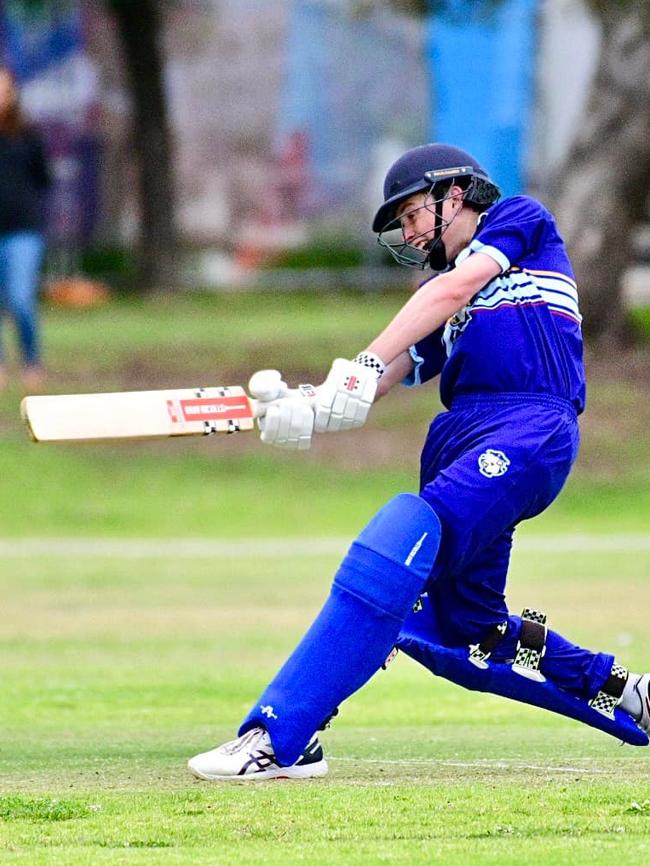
{"x":418,"y":220}
{"x":417,"y":216}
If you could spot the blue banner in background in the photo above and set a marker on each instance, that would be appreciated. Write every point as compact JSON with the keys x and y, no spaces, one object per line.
{"x":305,"y":102}
{"x":351,"y":82}
{"x":481,"y":59}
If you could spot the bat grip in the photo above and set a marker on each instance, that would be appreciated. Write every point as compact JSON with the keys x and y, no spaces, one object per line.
{"x":259,"y":407}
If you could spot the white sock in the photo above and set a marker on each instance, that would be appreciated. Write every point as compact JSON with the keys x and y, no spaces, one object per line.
{"x":631,"y":700}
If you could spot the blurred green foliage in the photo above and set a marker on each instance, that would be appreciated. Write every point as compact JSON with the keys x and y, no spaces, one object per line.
{"x":102,"y":262}
{"x":321,"y":254}
{"x":640,"y":320}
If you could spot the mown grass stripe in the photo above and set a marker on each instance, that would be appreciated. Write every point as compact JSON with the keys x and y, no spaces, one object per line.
{"x":472,"y":765}
{"x":148,"y":548}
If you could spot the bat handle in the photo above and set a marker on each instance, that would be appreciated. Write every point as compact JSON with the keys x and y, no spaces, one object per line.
{"x":257,"y":410}
{"x":276,"y":392}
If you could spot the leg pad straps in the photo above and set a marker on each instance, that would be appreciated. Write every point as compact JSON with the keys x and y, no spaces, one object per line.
{"x":501,"y":678}
{"x":532,"y":645}
{"x":611,"y":694}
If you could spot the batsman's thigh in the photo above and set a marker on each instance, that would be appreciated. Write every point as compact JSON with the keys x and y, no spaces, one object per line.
{"x":506,"y":475}
{"x":475,"y":508}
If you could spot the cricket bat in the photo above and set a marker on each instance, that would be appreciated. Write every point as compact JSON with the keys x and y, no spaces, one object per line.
{"x":138,"y":414}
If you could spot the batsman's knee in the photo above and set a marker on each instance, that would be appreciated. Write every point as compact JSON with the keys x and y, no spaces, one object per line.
{"x":392,"y":558}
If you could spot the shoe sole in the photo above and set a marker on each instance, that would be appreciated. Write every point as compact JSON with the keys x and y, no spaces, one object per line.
{"x":309,"y":771}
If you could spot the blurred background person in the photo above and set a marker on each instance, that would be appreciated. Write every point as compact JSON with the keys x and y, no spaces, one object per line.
{"x":24,"y":180}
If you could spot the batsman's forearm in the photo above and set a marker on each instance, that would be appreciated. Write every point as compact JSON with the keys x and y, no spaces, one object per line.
{"x":422,"y":314}
{"x":395,"y":372}
{"x":434,"y":303}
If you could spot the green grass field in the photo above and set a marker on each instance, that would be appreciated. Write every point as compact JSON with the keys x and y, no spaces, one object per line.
{"x":115,"y":671}
{"x":118,"y":662}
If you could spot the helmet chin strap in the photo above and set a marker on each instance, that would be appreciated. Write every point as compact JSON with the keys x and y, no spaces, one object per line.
{"x":437,"y":257}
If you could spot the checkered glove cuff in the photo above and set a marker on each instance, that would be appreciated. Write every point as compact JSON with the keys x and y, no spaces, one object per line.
{"x":374,"y":362}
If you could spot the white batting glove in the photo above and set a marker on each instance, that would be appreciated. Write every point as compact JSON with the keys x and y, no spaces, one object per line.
{"x":344,"y":399}
{"x":288,"y":423}
{"x":285,"y":415}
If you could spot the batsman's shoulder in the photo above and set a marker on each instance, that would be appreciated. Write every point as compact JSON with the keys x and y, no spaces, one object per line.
{"x":518,"y":207}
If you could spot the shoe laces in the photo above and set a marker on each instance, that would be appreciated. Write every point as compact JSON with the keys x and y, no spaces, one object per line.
{"x":244,"y":743}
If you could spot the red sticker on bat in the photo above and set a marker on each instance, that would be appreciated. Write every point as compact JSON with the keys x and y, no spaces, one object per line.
{"x":172,"y":408}
{"x":214,"y":409}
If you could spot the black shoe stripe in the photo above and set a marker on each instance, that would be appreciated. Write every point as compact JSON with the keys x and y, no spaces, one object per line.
{"x":312,"y":754}
{"x":262,"y":760}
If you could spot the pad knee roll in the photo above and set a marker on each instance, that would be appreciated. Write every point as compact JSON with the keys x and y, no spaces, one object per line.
{"x":392,"y":558}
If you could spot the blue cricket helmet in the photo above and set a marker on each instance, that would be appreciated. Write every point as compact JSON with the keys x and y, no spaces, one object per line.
{"x":422,"y":167}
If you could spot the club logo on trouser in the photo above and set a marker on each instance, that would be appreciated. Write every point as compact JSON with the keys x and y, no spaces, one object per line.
{"x":493,"y":463}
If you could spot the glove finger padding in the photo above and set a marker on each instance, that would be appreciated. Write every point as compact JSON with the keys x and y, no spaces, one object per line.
{"x":344,"y":399}
{"x":288,"y":423}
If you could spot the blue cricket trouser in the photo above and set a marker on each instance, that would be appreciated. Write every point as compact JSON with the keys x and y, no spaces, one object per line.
{"x":21,"y":255}
{"x":487,"y":464}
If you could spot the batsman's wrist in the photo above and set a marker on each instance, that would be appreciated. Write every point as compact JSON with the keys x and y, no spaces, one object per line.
{"x":372,"y":361}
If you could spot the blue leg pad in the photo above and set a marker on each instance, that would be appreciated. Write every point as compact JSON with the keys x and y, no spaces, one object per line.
{"x":499,"y":679}
{"x":373,"y":592}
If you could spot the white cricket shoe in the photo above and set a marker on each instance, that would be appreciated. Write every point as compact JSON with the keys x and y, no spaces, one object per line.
{"x":251,"y":757}
{"x":642,"y":689}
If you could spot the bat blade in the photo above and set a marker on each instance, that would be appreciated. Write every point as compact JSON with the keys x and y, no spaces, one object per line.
{"x":138,"y":414}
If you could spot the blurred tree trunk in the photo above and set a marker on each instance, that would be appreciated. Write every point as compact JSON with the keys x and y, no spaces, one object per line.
{"x":140,"y":32}
{"x":602,"y":192}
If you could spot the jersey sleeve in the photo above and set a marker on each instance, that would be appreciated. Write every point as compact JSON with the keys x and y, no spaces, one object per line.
{"x":510,"y":230}
{"x":429,"y":356}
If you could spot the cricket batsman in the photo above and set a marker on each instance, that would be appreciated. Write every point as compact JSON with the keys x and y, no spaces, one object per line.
{"x":499,"y":322}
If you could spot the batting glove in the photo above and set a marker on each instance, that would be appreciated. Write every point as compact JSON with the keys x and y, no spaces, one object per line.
{"x":285,"y":416}
{"x":344,"y":399}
